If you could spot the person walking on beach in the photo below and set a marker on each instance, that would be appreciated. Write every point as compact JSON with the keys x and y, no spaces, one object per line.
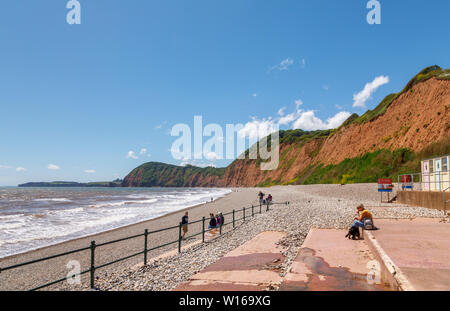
{"x":269,"y":199}
{"x":184,"y":224}
{"x":222,"y":219}
{"x":261,"y":197}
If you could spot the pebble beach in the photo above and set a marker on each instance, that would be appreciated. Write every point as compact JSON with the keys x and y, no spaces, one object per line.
{"x":318,"y":206}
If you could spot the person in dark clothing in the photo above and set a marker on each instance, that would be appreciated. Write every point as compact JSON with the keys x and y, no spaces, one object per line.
{"x":184,"y":224}
{"x":222,"y":219}
{"x":261,"y":197}
{"x":212,"y":221}
{"x":217,"y":221}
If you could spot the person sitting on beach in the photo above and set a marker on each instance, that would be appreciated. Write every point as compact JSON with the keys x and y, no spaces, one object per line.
{"x":218,"y":221}
{"x":184,"y":224}
{"x":364,"y":218}
{"x":212,"y":223}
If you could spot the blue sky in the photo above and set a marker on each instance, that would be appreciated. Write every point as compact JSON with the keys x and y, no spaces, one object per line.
{"x":77,"y":98}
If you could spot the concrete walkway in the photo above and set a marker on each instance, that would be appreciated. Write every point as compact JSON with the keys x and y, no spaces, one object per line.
{"x":327,"y":261}
{"x":419,"y":250}
{"x":250,"y":267}
{"x":406,"y":255}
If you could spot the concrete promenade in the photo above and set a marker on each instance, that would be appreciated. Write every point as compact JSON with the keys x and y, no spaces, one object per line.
{"x":411,"y":254}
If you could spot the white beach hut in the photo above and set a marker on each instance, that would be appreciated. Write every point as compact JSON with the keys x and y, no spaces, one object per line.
{"x":435,"y":173}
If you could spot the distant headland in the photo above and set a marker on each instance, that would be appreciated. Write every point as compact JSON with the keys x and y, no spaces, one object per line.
{"x":114,"y":183}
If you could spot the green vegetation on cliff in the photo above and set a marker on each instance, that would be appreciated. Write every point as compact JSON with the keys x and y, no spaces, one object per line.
{"x":156,"y":174}
{"x":378,"y":164}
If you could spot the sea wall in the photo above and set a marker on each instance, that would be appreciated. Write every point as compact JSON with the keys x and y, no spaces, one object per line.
{"x":428,"y":199}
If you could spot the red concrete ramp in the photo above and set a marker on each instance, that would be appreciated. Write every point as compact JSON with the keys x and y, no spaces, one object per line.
{"x":250,"y":267}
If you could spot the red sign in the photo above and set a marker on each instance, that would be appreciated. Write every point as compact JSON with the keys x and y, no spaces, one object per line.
{"x":385,"y":185}
{"x":385,"y":181}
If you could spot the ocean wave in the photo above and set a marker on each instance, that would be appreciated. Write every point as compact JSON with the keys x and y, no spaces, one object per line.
{"x":53,"y":200}
{"x":37,"y":226}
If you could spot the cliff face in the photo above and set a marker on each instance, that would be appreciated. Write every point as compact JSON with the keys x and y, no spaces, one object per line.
{"x":415,"y":119}
{"x":398,"y":130}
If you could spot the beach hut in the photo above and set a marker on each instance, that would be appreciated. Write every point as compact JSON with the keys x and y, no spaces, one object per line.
{"x":435,"y":173}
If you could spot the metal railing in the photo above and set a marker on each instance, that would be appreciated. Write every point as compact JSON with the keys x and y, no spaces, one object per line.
{"x":93,"y":246}
{"x":444,"y":201}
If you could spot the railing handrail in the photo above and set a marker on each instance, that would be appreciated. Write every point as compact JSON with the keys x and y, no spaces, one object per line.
{"x":444,"y":202}
{"x":146,"y":233}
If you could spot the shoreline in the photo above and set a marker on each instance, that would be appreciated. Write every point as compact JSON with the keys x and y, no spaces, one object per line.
{"x":36,"y":274}
{"x":111,"y":230}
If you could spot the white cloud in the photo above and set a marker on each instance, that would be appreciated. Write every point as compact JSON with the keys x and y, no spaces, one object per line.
{"x":131,"y":155}
{"x":53,"y":167}
{"x":287,"y":119}
{"x":196,"y":163}
{"x":284,"y":64}
{"x":258,"y":128}
{"x":308,"y":121}
{"x":5,"y":167}
{"x":143,"y":151}
{"x":89,"y":171}
{"x":338,"y":107}
{"x":212,"y":156}
{"x":20,"y":169}
{"x":254,"y":94}
{"x":337,"y":119}
{"x":359,"y":99}
{"x":281,"y":111}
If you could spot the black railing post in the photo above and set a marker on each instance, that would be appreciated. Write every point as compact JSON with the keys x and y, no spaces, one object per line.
{"x":253,"y":214}
{"x":145,"y":246}
{"x":179,"y":238}
{"x":243,"y":211}
{"x":203,"y":229}
{"x":92,"y":264}
{"x":233,"y":220}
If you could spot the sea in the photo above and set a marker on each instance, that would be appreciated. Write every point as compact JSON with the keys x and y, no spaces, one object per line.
{"x":32,"y":218}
